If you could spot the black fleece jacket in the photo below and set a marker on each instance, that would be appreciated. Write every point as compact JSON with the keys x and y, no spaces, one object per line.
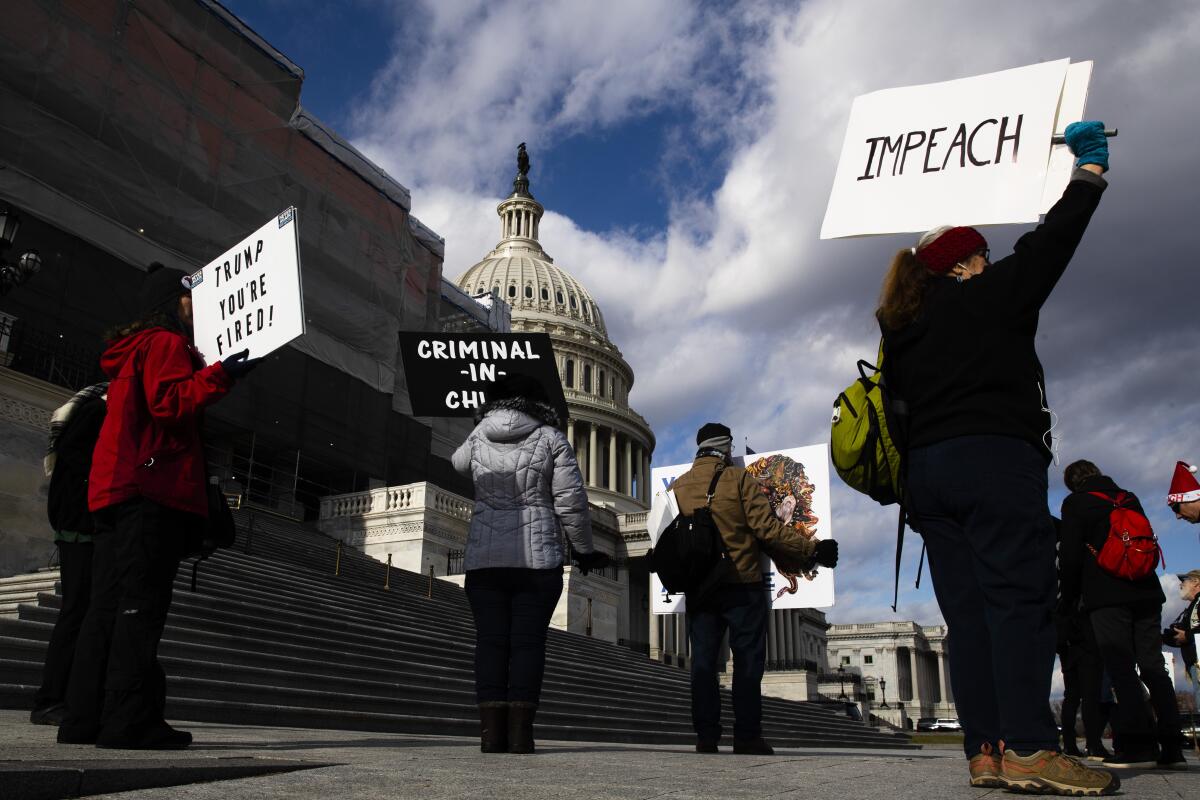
{"x":66,"y":504}
{"x":967,"y":365}
{"x":1084,"y":522}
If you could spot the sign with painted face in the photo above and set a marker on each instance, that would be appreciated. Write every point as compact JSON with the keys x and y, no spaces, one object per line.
{"x":251,"y":297}
{"x":796,"y":483}
{"x":974,"y":151}
{"x":449,"y":374}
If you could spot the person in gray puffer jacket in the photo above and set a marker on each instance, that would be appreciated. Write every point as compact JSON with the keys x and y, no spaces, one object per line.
{"x":529,"y":493}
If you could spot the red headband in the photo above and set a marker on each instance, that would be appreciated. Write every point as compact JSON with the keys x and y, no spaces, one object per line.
{"x":950,"y":248}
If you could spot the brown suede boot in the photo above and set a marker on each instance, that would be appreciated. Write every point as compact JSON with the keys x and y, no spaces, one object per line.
{"x":493,"y":727}
{"x":520,"y":727}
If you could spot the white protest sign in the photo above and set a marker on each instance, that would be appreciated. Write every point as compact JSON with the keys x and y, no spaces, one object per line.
{"x":251,"y":296}
{"x":973,"y":151}
{"x":1070,"y":109}
{"x":796,"y":482}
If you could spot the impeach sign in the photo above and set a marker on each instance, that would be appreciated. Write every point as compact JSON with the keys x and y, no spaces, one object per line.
{"x":974,"y":151}
{"x":251,"y":296}
{"x":449,"y":374}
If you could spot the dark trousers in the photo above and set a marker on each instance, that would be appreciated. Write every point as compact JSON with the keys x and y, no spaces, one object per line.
{"x":742,"y":609}
{"x":512,"y":609}
{"x":1129,"y":637}
{"x":979,"y":502}
{"x":117,"y":687}
{"x":75,"y":577}
{"x":1082,"y":672}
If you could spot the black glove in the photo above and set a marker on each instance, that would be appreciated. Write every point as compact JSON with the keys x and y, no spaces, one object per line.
{"x":239,"y":365}
{"x":590,"y":561}
{"x":826,"y":553}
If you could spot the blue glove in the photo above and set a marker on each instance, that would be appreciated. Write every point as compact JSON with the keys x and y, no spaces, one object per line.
{"x":1088,"y":142}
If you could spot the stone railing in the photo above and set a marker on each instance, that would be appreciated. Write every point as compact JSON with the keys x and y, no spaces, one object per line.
{"x":393,"y":499}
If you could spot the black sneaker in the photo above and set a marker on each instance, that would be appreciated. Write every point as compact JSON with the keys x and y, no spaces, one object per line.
{"x":752,"y":747}
{"x":1172,"y":759}
{"x":160,"y":737}
{"x":1131,"y":760}
{"x":707,"y":746}
{"x":1096,"y":753}
{"x":49,"y":715}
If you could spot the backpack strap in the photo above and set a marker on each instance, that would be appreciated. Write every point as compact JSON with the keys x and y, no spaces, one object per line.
{"x":712,"y":486}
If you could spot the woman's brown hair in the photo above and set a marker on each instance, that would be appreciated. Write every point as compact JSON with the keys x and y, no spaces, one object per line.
{"x":903,"y":291}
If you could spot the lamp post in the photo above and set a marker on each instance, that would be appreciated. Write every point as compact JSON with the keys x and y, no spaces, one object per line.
{"x":883,"y":691}
{"x":27,"y":265}
{"x":841,"y":682}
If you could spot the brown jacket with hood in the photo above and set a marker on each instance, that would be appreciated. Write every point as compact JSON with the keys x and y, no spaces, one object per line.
{"x":744,"y":517}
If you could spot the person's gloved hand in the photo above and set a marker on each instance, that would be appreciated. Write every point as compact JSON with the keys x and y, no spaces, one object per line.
{"x":826,"y":553}
{"x":1088,"y":142}
{"x":593,"y":560}
{"x":239,"y":365}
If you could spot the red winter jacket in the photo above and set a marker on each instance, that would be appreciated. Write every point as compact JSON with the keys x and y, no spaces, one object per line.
{"x":150,"y":445}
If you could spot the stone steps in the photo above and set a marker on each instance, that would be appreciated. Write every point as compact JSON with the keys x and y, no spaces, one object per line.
{"x":273,"y":637}
{"x":19,"y":589}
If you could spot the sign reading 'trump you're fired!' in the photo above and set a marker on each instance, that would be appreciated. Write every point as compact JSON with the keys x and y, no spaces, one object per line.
{"x":251,"y":296}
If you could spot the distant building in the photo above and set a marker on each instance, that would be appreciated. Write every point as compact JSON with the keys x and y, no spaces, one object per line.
{"x":902,"y":663}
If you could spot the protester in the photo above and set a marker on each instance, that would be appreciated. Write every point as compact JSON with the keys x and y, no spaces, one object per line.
{"x":74,"y":427}
{"x":1184,"y":497}
{"x":959,"y":335}
{"x":1126,"y":616}
{"x":1182,"y":632}
{"x":528,"y":488}
{"x":147,"y":492}
{"x":739,"y":603}
{"x":1082,"y":673}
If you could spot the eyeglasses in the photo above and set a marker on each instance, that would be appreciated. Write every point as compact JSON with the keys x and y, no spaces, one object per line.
{"x":1174,"y":508}
{"x":987,"y":254}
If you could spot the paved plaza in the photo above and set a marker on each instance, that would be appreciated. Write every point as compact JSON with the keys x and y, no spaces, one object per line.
{"x":369,"y":765}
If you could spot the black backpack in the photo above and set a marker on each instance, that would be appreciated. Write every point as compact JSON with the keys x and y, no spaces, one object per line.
{"x":690,"y":556}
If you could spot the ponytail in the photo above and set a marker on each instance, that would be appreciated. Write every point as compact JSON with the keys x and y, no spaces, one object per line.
{"x":903,"y":290}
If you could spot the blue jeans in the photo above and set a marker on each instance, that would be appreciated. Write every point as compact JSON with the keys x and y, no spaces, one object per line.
{"x":979,"y":502}
{"x":512,"y":609}
{"x":743,"y":609}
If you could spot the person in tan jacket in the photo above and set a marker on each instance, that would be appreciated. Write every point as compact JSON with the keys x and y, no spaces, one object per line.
{"x":748,"y":527}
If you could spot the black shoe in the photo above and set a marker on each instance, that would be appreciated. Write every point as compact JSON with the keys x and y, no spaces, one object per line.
{"x":752,"y":747}
{"x":1071,"y":750}
{"x":76,"y":735}
{"x":1096,"y":753}
{"x":1172,"y":759}
{"x":48,"y":715}
{"x":160,"y":737}
{"x":1131,"y":760}
{"x":707,"y":746}
{"x":520,"y":727}
{"x":493,"y":727}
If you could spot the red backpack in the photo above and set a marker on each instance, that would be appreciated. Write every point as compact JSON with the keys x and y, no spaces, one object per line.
{"x":1131,"y":551}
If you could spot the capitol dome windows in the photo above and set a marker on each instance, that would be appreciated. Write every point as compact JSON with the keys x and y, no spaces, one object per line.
{"x":574,"y":303}
{"x":528,"y":292}
{"x":570,"y":373}
{"x":545,"y":295}
{"x":587,"y":378}
{"x":600,"y":383}
{"x":512,"y":290}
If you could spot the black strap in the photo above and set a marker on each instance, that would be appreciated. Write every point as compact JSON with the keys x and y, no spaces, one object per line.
{"x":712,"y":486}
{"x":899,"y":550}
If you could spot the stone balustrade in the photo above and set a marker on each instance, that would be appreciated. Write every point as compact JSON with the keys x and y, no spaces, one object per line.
{"x":392,"y":499}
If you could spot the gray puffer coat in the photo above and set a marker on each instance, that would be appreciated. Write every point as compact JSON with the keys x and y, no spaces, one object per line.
{"x":528,"y":493}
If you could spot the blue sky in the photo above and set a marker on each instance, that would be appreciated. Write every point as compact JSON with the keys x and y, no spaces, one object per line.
{"x":685,"y":156}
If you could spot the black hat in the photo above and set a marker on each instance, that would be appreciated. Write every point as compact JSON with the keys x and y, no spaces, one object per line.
{"x":161,"y":289}
{"x":515,"y":385}
{"x":712,"y":430}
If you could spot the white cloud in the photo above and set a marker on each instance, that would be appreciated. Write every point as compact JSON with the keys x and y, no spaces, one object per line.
{"x":736,"y":311}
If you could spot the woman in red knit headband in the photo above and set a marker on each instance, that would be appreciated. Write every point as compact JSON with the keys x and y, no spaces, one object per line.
{"x":958,"y":336}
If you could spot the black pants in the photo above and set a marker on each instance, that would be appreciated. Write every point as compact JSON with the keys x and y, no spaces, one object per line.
{"x":75,"y":577}
{"x":1129,"y":637}
{"x":512,"y":610}
{"x":1082,"y":672}
{"x":979,"y":502}
{"x":117,"y":688}
{"x":743,"y":610}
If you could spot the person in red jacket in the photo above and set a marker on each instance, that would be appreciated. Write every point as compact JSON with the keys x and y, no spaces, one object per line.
{"x":147,"y":493}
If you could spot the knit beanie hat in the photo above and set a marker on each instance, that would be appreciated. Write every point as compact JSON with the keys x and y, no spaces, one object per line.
{"x":1184,"y":486}
{"x":515,"y":385}
{"x":949,"y":248}
{"x":160,"y":291}
{"x":716,"y":436}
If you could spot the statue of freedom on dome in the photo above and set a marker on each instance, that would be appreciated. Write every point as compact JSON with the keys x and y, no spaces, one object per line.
{"x":522,"y":161}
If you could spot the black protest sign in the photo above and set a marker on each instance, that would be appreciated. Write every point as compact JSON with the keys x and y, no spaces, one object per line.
{"x":449,"y":374}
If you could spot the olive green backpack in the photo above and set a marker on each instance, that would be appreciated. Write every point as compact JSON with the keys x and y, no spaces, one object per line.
{"x":866,"y":444}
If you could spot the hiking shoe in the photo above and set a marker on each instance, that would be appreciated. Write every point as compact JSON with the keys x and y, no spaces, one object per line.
{"x":752,"y":747}
{"x":985,"y":768}
{"x":1172,"y":759}
{"x":1131,"y":760}
{"x":707,"y":746}
{"x":1047,"y":772}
